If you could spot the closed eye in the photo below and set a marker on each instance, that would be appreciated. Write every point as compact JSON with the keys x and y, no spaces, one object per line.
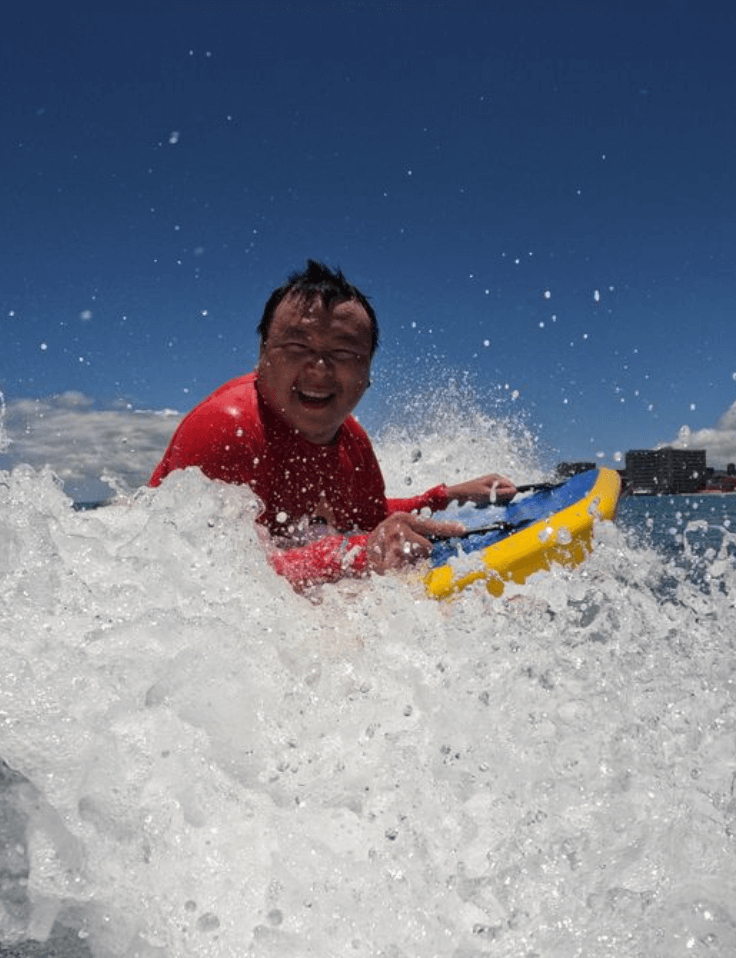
{"x":344,"y":355}
{"x":296,"y":350}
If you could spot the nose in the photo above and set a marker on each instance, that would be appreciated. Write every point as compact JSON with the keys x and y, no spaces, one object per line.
{"x":316,"y":358}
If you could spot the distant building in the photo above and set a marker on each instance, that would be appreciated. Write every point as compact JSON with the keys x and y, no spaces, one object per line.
{"x":719,"y":481}
{"x":665,"y":471}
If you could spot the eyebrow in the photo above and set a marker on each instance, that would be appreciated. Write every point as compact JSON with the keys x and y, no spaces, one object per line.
{"x":295,"y":332}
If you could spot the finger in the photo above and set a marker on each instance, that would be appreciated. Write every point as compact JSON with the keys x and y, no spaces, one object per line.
{"x":416,"y":547}
{"x":435,"y":528}
{"x":402,"y":552}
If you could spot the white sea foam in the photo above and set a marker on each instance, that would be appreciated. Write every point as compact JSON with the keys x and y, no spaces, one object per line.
{"x":201,"y":762}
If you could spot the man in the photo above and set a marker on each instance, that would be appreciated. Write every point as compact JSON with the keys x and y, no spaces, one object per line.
{"x":286,"y":432}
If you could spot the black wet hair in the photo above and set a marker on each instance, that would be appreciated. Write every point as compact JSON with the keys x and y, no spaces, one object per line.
{"x":317,"y":280}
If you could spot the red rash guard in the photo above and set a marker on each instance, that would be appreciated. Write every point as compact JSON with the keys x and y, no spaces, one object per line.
{"x":233,"y":436}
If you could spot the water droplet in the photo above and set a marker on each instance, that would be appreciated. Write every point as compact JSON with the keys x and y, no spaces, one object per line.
{"x":208,"y":922}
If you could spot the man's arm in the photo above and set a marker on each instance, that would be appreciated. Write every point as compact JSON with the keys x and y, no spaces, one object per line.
{"x":398,"y":541}
{"x":434,"y":499}
{"x":326,"y":560}
{"x":483,"y":491}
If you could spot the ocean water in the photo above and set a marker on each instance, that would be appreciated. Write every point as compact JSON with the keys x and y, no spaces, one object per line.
{"x":199,"y":762}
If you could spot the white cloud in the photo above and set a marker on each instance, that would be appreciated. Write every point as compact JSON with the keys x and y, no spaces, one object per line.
{"x":719,"y":441}
{"x":81,"y":442}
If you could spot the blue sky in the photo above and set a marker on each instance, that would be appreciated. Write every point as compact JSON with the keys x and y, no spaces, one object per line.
{"x":537,"y":196}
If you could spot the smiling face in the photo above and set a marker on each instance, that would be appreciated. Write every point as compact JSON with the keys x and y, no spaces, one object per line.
{"x":314,"y":365}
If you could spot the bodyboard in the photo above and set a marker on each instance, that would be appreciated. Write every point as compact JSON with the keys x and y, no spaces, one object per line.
{"x":554,"y":525}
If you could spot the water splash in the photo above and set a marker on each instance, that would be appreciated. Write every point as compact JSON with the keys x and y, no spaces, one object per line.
{"x":200,"y":762}
{"x":5,"y":439}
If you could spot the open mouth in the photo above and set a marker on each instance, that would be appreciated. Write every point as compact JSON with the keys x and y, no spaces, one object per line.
{"x":314,"y":400}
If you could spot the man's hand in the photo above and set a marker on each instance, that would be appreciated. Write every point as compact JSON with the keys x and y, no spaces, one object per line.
{"x":483,"y":491}
{"x":403,"y":538}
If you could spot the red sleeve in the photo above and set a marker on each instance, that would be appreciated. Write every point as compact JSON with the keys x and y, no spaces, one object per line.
{"x":433,"y":499}
{"x":326,"y":560}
